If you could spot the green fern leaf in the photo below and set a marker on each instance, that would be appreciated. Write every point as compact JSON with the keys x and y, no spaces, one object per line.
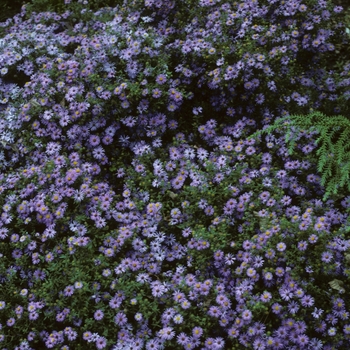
{"x":332,"y":140}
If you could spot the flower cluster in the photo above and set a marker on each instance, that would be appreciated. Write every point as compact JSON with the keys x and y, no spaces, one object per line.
{"x":136,"y":212}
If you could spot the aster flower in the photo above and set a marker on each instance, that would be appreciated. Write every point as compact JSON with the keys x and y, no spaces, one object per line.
{"x":293,"y":307}
{"x":153,"y":344}
{"x":327,"y":257}
{"x":307,"y":301}
{"x":166,"y":333}
{"x":317,"y":313}
{"x":120,"y":319}
{"x":161,"y":79}
{"x":33,"y":316}
{"x":302,"y":245}
{"x":251,"y":272}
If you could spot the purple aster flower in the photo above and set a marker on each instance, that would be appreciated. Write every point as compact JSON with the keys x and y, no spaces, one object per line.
{"x":233,"y":332}
{"x":281,"y":247}
{"x":264,"y":196}
{"x":87,"y":335}
{"x":166,"y":333}
{"x":270,"y":202}
{"x":265,"y":297}
{"x":120,"y":319}
{"x":49,"y":257}
{"x":182,"y":339}
{"x":153,"y":344}
{"x":114,"y":303}
{"x":101,"y":342}
{"x":33,"y":316}
{"x":259,"y":344}
{"x":346,"y":329}
{"x":209,"y":210}
{"x":332,"y":331}
{"x":161,"y":79}
{"x":321,"y":327}
{"x":293,"y":307}
{"x":300,"y":327}
{"x":17,"y":253}
{"x":302,"y":245}
{"x":286,"y":294}
{"x":10,"y":322}
{"x":185,"y":304}
{"x":60,"y":317}
{"x":307,"y":301}
{"x":251,"y":272}
{"x":214,"y":311}
{"x":94,"y":140}
{"x":158,"y":290}
{"x":197,"y":332}
{"x":156,"y":93}
{"x":39,"y":274}
{"x":301,"y":339}
{"x":68,"y":291}
{"x":247,"y":315}
{"x":304,"y":226}
{"x":178,"y":319}
{"x":276,"y":308}
{"x":218,"y":178}
{"x":327,"y":257}
{"x":98,"y":315}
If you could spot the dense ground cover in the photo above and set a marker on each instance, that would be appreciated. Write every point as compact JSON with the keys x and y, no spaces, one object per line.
{"x":136,"y":212}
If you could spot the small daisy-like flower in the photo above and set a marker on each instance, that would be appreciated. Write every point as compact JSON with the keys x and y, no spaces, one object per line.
{"x":251,"y":272}
{"x":94,"y":140}
{"x":101,"y":343}
{"x":209,"y":210}
{"x":346,"y":329}
{"x":138,"y":316}
{"x":98,"y":315}
{"x":265,"y":297}
{"x":247,"y":315}
{"x":327,"y":257}
{"x":156,"y":93}
{"x":178,"y":319}
{"x":281,"y":247}
{"x":332,"y":331}
{"x":10,"y":322}
{"x":161,"y":79}
{"x":185,"y":304}
{"x":166,"y":333}
{"x":68,"y":291}
{"x":276,"y":308}
{"x":49,"y":257}
{"x":307,"y":301}
{"x":78,"y":285}
{"x":302,"y":245}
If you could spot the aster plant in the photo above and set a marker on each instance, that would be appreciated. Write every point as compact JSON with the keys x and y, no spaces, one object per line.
{"x":137,"y":209}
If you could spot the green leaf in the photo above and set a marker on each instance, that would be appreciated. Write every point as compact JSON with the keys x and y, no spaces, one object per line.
{"x":337,"y":285}
{"x":172,"y":194}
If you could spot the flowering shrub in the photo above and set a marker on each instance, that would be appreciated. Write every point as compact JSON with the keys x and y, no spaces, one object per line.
{"x":136,"y":212}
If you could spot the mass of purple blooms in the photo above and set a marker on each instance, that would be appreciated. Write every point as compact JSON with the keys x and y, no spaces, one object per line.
{"x":136,"y":212}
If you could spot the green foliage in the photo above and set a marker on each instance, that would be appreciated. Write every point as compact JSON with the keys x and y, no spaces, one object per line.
{"x":333,"y":134}
{"x":45,"y":5}
{"x":59,"y":6}
{"x":9,"y":8}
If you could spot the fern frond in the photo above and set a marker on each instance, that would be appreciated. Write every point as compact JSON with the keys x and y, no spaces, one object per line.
{"x":333,"y":141}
